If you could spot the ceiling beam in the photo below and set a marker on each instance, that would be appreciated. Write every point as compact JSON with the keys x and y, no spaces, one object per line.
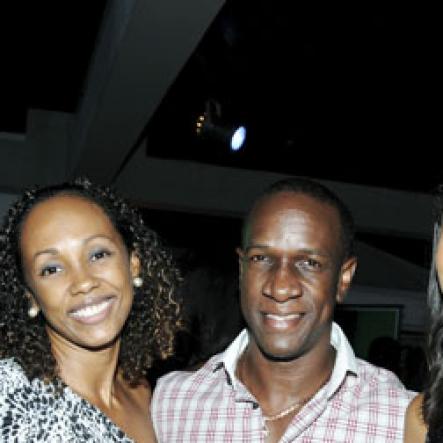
{"x":209,"y":189}
{"x":141,"y":48}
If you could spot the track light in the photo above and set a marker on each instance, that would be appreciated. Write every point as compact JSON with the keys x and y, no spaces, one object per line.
{"x":210,"y":126}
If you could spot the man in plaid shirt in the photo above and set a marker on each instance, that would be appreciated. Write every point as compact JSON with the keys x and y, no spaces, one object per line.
{"x":292,"y":375}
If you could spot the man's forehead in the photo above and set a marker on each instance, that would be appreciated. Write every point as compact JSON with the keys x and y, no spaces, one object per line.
{"x":292,"y":202}
{"x":286,"y":207}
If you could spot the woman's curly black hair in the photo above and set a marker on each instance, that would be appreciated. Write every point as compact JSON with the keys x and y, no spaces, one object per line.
{"x":148,"y":334}
{"x":433,"y":394}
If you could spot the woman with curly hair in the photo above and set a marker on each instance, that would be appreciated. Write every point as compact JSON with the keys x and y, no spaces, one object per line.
{"x":87,"y":304}
{"x":424,"y":417}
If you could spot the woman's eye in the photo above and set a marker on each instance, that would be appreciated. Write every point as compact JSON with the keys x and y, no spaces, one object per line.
{"x":49,"y":270}
{"x":98,"y":255}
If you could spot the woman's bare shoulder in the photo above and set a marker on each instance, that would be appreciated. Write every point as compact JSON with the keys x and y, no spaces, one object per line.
{"x":415,"y":427}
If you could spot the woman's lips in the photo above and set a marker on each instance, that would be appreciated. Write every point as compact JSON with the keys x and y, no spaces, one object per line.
{"x":93,"y":312}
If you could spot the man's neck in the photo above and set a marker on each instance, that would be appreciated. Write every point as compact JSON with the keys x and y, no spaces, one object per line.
{"x":279,"y":383}
{"x":282,"y":388}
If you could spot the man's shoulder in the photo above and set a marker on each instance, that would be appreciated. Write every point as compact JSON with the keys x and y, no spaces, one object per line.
{"x":188,"y":381}
{"x":370,"y":373}
{"x":382,"y":382}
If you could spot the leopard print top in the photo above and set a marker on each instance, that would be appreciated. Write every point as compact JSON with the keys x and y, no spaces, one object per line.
{"x":30,"y":411}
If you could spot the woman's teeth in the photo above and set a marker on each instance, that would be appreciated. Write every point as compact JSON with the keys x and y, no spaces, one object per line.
{"x":90,"y":311}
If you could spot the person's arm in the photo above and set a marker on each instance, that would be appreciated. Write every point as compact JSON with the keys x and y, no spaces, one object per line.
{"x":415,"y":427}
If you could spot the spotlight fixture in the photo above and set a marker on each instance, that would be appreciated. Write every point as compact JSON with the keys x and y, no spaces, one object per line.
{"x":211,"y":126}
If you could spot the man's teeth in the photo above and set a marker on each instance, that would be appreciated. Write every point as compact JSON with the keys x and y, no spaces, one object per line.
{"x":92,"y":310}
{"x":283,"y":317}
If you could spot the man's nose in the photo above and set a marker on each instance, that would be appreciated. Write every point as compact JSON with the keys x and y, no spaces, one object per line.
{"x":284,"y":283}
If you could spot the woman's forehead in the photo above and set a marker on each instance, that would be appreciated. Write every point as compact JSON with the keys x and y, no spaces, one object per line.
{"x":65,"y":215}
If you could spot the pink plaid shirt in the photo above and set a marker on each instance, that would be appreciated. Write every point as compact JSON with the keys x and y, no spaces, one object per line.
{"x":361,"y":403}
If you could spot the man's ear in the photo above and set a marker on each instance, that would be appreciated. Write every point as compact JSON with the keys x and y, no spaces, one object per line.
{"x":241,"y":256}
{"x":134,"y":264}
{"x":346,"y":275}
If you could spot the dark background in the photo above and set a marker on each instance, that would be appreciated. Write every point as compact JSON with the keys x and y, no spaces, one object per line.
{"x":346,"y":92}
{"x":343,"y":92}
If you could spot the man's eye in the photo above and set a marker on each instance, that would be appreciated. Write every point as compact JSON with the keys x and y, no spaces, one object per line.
{"x":98,"y":255}
{"x":310,"y":263}
{"x":49,"y":270}
{"x":259,"y":258}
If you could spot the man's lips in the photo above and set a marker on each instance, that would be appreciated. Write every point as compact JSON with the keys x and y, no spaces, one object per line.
{"x":282,"y":321}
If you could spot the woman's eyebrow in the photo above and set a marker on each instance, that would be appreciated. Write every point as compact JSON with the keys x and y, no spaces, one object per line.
{"x":54,"y":251}
{"x":51,"y":251}
{"x":94,"y":236}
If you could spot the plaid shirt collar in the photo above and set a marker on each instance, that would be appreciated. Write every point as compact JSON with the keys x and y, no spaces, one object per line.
{"x":345,"y":360}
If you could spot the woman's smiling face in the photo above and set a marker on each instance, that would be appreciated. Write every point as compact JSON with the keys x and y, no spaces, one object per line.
{"x":78,"y":270}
